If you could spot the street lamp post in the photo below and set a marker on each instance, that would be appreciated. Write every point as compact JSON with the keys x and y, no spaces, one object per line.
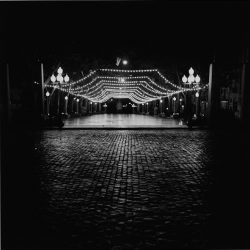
{"x":66,"y":105}
{"x":77,"y":105}
{"x":174,"y":99}
{"x":58,"y":80}
{"x":161,"y":106}
{"x":180,"y":106}
{"x":105,"y":108}
{"x":197,"y":103}
{"x":47,"y":95}
{"x":91,"y":107}
{"x":191,"y":80}
{"x":133,"y":106}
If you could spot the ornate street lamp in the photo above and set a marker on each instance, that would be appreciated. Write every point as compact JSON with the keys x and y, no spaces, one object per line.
{"x":58,"y":80}
{"x":191,"y":81}
{"x":174,"y":99}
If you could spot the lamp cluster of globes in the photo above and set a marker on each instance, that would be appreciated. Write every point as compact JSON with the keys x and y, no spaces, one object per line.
{"x":191,"y":79}
{"x":60,"y":79}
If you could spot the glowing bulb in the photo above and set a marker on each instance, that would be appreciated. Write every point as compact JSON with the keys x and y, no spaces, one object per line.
{"x":191,"y":71}
{"x":190,"y":79}
{"x":174,"y":99}
{"x":124,"y":62}
{"x":181,"y":100}
{"x":47,"y":94}
{"x":66,"y":98}
{"x":197,"y":79}
{"x":66,"y":78}
{"x":197,"y":94}
{"x":77,"y":100}
{"x":53,"y":78}
{"x":59,"y":78}
{"x":184,"y":79}
{"x":60,"y":70}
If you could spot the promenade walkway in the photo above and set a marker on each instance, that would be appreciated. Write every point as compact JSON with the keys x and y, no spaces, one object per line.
{"x":122,"y":121}
{"x":125,"y":189}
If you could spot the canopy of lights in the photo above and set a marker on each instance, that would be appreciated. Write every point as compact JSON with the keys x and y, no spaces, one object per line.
{"x":140,"y":86}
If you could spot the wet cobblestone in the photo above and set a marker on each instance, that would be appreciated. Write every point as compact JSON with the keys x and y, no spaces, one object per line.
{"x":126,"y":189}
{"x":137,"y":189}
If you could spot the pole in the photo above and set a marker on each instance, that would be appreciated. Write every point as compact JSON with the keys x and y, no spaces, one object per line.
{"x":42,"y":84}
{"x":80,"y":106}
{"x":8,"y":94}
{"x":77,"y":106}
{"x":48,"y":105}
{"x":210,"y":84}
{"x":196,"y":106}
{"x":66,"y":106}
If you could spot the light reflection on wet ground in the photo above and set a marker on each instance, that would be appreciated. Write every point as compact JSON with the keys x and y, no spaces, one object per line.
{"x":122,"y":121}
{"x":125,"y":189}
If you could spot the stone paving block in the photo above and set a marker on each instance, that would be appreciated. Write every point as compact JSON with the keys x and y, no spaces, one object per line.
{"x":146,"y":189}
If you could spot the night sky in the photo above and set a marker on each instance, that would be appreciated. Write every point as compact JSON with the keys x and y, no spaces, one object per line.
{"x":147,"y":33}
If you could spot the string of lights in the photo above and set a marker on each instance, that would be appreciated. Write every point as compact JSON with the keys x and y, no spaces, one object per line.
{"x":139,"y":88}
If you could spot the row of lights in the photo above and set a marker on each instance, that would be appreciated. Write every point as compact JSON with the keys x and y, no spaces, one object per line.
{"x":66,"y":97}
{"x":190,"y":80}
{"x":130,"y":85}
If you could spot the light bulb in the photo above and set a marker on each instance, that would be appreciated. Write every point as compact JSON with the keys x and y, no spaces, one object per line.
{"x":60,"y":70}
{"x":53,"y":78}
{"x":59,"y":78}
{"x":184,"y":79}
{"x":66,"y":78}
{"x":191,"y":71}
{"x":197,"y":79}
{"x":190,"y":79}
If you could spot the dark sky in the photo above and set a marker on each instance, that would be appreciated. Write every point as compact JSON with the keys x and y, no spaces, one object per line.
{"x":155,"y":33}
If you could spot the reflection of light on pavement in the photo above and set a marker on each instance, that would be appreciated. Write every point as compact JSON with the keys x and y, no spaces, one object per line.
{"x":121,"y":120}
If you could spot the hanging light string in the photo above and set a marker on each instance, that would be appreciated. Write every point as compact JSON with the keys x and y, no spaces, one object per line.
{"x":143,"y":89}
{"x":142,"y":84}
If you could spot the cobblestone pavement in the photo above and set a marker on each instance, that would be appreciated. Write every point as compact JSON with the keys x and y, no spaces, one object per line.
{"x":126,"y":189}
